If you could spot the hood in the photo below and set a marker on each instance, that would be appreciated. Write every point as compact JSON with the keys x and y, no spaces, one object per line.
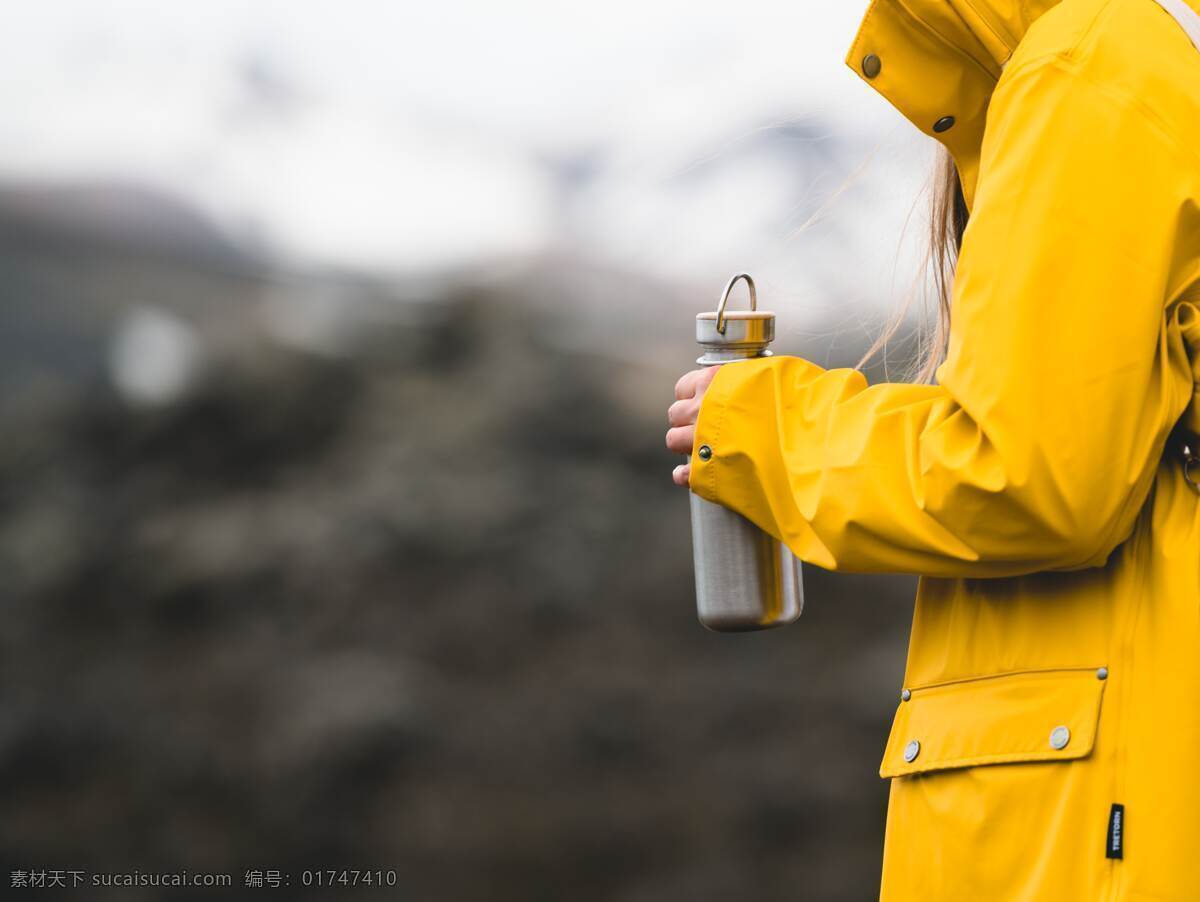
{"x":937,"y":62}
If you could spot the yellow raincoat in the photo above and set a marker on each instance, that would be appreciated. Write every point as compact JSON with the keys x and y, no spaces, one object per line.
{"x":1047,"y":744}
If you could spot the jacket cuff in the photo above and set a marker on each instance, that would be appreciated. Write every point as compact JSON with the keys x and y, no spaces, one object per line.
{"x":717,"y":419}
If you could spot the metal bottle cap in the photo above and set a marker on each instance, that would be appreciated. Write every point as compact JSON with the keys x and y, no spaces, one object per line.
{"x":729,"y":335}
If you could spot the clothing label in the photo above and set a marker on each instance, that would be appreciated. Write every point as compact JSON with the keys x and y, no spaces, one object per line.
{"x":1116,"y":833}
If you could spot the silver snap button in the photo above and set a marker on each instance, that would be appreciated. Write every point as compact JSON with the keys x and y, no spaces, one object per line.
{"x":905,"y":695}
{"x":704,"y":453}
{"x":1102,"y":673}
{"x":1189,"y":459}
{"x":911,"y":751}
{"x":1059,"y":737}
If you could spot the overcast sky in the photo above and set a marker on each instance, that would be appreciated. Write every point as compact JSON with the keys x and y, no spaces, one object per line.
{"x":412,"y":135}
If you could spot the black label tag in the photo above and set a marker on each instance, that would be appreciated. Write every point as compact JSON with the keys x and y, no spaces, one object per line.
{"x":1116,"y":833}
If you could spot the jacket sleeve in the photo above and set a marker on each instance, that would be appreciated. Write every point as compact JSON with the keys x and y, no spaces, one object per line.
{"x":1038,"y":445}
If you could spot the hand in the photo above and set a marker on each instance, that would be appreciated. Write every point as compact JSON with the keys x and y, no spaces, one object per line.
{"x":689,"y":391}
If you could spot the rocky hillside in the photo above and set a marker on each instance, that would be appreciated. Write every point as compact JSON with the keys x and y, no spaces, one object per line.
{"x":424,"y":604}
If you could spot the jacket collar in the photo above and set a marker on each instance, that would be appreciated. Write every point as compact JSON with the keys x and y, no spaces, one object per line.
{"x":940,"y":58}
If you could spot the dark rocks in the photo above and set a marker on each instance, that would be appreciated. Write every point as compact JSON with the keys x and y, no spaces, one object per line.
{"x":427,"y":606}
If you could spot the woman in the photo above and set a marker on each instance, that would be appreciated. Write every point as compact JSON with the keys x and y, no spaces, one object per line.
{"x":1047,"y":740}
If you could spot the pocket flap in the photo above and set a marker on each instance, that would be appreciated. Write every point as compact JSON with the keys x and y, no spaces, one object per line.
{"x":1047,"y":715}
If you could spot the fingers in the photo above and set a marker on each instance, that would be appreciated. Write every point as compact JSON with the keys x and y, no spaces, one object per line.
{"x":683,"y":413}
{"x":704,"y":378}
{"x":686,"y":386}
{"x":680,"y":439}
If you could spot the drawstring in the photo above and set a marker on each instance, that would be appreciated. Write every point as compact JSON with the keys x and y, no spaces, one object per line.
{"x":1187,"y":18}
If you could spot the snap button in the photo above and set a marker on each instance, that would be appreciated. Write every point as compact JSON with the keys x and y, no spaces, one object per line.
{"x":905,"y":695}
{"x":1059,"y":737}
{"x":704,"y":453}
{"x":911,"y":751}
{"x":1102,"y":673}
{"x":943,"y":124}
{"x":871,"y":65}
{"x":1189,"y":459}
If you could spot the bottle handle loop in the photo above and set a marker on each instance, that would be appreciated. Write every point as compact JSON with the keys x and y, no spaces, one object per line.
{"x":725,"y":298}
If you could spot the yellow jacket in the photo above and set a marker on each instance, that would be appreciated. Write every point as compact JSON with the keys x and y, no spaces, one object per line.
{"x":1054,"y":665}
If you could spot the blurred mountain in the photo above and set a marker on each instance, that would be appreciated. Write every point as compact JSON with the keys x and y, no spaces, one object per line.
{"x":125,"y":218}
{"x":77,"y":259}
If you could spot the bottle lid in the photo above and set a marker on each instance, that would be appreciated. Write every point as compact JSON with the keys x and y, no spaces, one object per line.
{"x":729,"y":335}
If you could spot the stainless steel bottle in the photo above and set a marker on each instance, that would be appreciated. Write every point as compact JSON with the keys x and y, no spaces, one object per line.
{"x":745,"y":579}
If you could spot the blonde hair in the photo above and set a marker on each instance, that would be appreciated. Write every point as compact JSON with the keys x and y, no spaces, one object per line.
{"x":947,"y":222}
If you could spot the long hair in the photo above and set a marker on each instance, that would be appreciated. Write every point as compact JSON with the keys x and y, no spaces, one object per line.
{"x":947,"y":222}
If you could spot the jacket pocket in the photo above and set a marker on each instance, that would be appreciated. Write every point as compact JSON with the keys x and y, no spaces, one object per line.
{"x":1044,"y":715}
